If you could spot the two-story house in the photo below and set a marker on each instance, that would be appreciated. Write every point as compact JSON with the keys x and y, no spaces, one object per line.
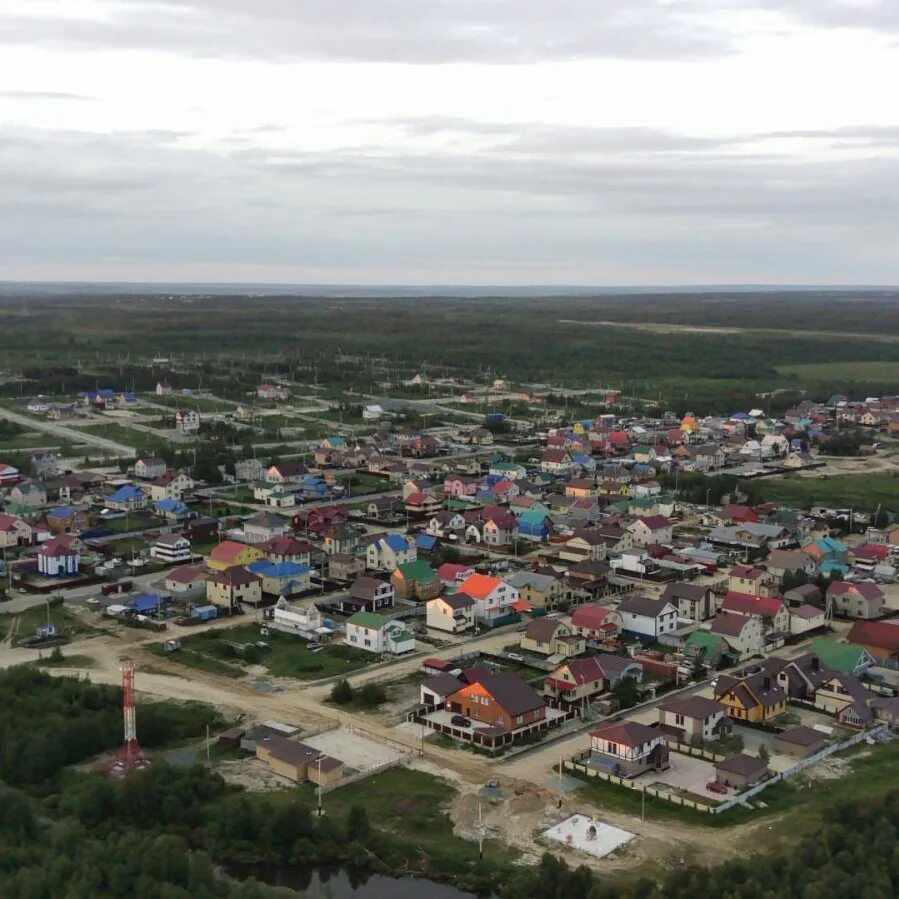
{"x":551,"y":636}
{"x":645,"y":617}
{"x":453,"y":613}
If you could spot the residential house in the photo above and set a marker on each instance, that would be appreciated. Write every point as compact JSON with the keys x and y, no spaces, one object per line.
{"x":281,"y":578}
{"x":389,"y":551}
{"x":381,"y":507}
{"x":372,"y":633}
{"x":500,"y":700}
{"x":859,"y":599}
{"x":837,"y":691}
{"x":694,"y":717}
{"x":202,"y":530}
{"x":344,"y":567}
{"x":741,"y":771}
{"x":187,"y":581}
{"x":628,"y":748}
{"x":416,"y":580}
{"x":231,"y":587}
{"x":708,"y":649}
{"x":286,"y":548}
{"x":14,"y":531}
{"x":285,"y":472}
{"x":879,"y":638}
{"x":367,"y":594}
{"x":769,"y":610}
{"x":187,"y":421}
{"x":44,"y":464}
{"x":448,"y":523}
{"x":551,"y":636}
{"x":149,"y":467}
{"x":230,"y":553}
{"x":648,"y":618}
{"x":542,"y":591}
{"x":580,"y":680}
{"x":127,"y":499}
{"x":749,"y":579}
{"x":650,"y":529}
{"x":585,"y":544}
{"x":755,"y":698}
{"x":339,"y":538}
{"x":800,"y":742}
{"x":596,"y":622}
{"x":458,"y":485}
{"x":171,"y":485}
{"x":555,"y":461}
{"x":845,"y":658}
{"x":692,"y":601}
{"x":264,"y":526}
{"x":806,"y":618}
{"x":743,"y":634}
{"x":304,"y":621}
{"x":452,"y":574}
{"x":494,"y":598}
{"x":170,"y":549}
{"x":453,"y":613}
{"x":28,"y":493}
{"x":288,"y":758}
{"x":781,"y":562}
{"x":59,"y":557}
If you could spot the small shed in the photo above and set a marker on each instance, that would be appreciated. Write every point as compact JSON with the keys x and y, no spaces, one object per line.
{"x":741,"y":770}
{"x":800,"y":742}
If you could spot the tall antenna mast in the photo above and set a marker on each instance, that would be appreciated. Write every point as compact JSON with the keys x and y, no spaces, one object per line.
{"x":130,"y":756}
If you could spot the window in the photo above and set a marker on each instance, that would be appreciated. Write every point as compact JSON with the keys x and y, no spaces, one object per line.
{"x":679,"y":719}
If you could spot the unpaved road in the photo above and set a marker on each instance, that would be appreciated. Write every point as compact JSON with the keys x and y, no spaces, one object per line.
{"x":70,"y":435}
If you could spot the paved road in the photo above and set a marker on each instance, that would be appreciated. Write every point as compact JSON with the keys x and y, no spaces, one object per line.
{"x":69,"y":434}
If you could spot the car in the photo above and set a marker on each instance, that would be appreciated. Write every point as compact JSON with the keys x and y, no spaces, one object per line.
{"x":714,"y":786}
{"x":93,"y":601}
{"x":515,"y":656}
{"x":460,"y":721}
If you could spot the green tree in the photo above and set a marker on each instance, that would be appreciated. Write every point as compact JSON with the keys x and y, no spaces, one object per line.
{"x":342,"y":693}
{"x":625,"y":691}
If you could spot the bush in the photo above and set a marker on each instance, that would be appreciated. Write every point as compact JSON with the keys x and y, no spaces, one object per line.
{"x":342,"y":693}
{"x":372,"y":695}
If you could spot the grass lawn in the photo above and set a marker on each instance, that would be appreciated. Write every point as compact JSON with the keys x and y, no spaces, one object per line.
{"x":795,"y":806}
{"x":131,"y":523}
{"x":284,"y":656}
{"x":413,"y":806}
{"x":200,"y":404}
{"x":67,"y":623}
{"x":194,"y":659}
{"x":29,"y":439}
{"x":857,"y":491}
{"x":121,"y":434}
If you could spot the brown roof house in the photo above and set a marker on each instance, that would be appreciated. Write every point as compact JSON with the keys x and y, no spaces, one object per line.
{"x":692,"y":601}
{"x":582,"y":679}
{"x":800,"y":742}
{"x":549,"y":636}
{"x":232,"y":587}
{"x":741,"y":771}
{"x":628,"y":748}
{"x":694,"y":717}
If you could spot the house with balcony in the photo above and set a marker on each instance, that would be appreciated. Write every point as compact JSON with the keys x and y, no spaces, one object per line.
{"x":628,"y":748}
{"x":369,"y":632}
{"x":453,"y":613}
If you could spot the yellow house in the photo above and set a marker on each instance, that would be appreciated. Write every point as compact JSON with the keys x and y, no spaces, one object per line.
{"x":552,"y":637}
{"x":756,"y":698}
{"x":230,"y":553}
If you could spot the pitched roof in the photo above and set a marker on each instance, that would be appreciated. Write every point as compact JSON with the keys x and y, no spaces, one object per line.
{"x":235,"y":576}
{"x":742,"y":764}
{"x":865,"y":589}
{"x":802,"y":735}
{"x":694,"y":707}
{"x":654,"y":522}
{"x":227,"y":552}
{"x":480,"y":586}
{"x":458,"y":601}
{"x":875,"y":633}
{"x":628,"y":733}
{"x":365,"y":587}
{"x":683,"y":590}
{"x":643,"y":605}
{"x":367,"y":620}
{"x":542,"y":630}
{"x":589,"y":615}
{"x":417,"y":571}
{"x":512,"y":694}
{"x":747,"y":604}
{"x":729,"y":624}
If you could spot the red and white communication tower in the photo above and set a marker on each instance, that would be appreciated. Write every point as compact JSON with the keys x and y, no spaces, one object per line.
{"x":130,"y":756}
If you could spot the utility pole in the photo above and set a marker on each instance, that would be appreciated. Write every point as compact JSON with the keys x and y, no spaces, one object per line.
{"x":319,"y":786}
{"x":559,"y":804}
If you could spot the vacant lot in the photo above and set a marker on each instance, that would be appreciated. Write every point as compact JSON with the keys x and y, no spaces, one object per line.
{"x":862,"y":491}
{"x":354,"y":749}
{"x":230,"y":650}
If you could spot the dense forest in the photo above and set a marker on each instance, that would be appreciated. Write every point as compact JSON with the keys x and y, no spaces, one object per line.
{"x":159,"y":834}
{"x":845,"y":339}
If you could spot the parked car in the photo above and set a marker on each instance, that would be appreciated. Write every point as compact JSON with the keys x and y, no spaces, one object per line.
{"x":460,"y":721}
{"x":515,"y":656}
{"x":715,"y":787}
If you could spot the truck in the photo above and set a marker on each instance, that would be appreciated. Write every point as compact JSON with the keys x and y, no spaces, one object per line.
{"x":204,"y":613}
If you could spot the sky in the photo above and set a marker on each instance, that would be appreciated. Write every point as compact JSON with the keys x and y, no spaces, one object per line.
{"x":507,"y":142}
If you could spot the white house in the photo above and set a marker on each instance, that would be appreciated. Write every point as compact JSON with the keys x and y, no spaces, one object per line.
{"x":172,"y":549}
{"x":149,"y":467}
{"x":646,"y":617}
{"x":493,"y":597}
{"x":372,"y":633}
{"x":390,"y":551}
{"x":453,"y":613}
{"x":649,"y":529}
{"x":59,"y":557}
{"x":302,"y":621}
{"x":187,"y":421}
{"x":742,"y":633}
{"x":372,"y":412}
{"x":695,"y":716}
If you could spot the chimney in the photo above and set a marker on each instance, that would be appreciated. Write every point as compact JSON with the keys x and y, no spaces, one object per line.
{"x":766,"y":684}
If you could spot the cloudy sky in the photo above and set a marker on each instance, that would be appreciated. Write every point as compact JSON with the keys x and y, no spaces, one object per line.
{"x":600,"y":142}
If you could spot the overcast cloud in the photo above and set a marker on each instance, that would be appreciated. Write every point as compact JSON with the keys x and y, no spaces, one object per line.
{"x":450,"y":141}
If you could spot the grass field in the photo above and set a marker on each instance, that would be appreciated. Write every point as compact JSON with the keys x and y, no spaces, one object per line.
{"x":864,"y":492}
{"x":67,"y":623}
{"x":139,"y":440}
{"x":201,"y":404}
{"x":283,"y":656}
{"x":76,"y":660}
{"x":29,"y":440}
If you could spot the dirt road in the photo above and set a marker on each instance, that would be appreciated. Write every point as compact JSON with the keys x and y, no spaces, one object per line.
{"x":70,"y":435}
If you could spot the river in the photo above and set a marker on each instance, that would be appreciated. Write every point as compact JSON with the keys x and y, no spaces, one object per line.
{"x":325,"y":882}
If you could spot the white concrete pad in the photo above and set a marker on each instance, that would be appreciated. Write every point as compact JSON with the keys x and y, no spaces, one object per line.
{"x":576,"y":833}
